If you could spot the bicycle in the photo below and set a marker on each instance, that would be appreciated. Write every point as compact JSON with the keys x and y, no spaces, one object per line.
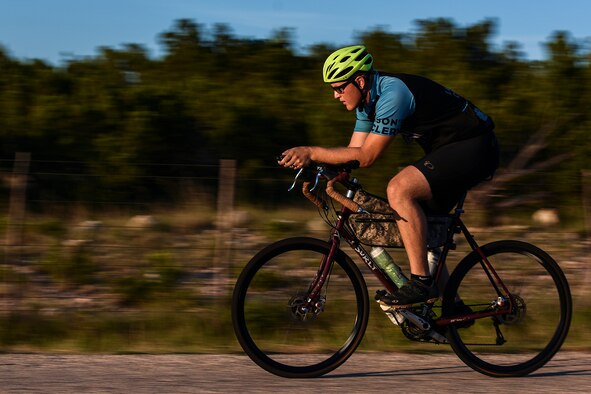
{"x":300,"y":307}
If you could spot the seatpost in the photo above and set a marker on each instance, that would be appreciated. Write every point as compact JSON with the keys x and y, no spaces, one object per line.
{"x":460,"y":205}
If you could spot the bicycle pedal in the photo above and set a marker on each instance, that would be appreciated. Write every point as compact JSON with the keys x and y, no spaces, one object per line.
{"x":437,"y":337}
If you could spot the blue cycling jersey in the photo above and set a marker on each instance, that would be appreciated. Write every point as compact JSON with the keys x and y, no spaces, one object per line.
{"x":391,"y":103}
{"x":421,"y":110}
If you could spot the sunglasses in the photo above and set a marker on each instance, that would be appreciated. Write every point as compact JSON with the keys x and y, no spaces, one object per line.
{"x":341,"y":88}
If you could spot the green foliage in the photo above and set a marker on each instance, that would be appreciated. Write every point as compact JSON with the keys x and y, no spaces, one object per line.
{"x":31,"y":328}
{"x":167,"y":269}
{"x":155,"y":280}
{"x":134,"y":290}
{"x":51,"y":227}
{"x":119,"y":332}
{"x":214,"y":95}
{"x":72,"y":266}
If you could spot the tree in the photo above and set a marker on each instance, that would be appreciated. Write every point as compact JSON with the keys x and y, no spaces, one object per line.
{"x":215,"y":95}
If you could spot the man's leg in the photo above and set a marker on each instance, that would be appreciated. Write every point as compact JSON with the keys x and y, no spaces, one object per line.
{"x":405,"y":191}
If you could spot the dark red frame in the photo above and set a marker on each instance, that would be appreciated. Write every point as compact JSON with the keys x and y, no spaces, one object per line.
{"x":340,"y":230}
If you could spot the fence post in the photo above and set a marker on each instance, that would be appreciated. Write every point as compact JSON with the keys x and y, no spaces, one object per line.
{"x":18,"y":200}
{"x":586,"y":188}
{"x":224,"y":223}
{"x":586,"y":197}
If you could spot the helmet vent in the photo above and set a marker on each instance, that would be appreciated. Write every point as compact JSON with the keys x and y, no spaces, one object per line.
{"x":344,"y":72}
{"x":361,"y":56}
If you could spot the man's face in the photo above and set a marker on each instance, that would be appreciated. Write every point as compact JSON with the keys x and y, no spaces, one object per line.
{"x":347,"y":93}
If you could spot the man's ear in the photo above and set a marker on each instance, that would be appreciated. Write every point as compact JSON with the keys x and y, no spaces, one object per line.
{"x":360,"y":81}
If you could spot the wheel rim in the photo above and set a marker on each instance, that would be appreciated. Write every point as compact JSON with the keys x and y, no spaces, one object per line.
{"x":278,"y":334}
{"x":524,"y":339}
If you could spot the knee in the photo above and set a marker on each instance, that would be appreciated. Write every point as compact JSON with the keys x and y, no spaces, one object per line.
{"x":398,"y":194}
{"x":408,"y":187}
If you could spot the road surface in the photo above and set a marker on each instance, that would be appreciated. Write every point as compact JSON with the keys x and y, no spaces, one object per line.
{"x":364,"y":372}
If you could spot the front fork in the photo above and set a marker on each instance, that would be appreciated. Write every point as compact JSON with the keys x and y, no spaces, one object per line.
{"x":312,"y":302}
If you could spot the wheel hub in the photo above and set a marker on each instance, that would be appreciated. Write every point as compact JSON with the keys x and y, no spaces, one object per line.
{"x":517,"y":313}
{"x":302,"y":309}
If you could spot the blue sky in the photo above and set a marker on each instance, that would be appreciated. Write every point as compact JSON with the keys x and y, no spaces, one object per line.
{"x":55,"y":30}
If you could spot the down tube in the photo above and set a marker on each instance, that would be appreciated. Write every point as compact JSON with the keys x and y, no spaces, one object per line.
{"x":360,"y":250}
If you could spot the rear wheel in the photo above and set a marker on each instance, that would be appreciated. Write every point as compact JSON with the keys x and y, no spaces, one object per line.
{"x":273,"y":328}
{"x":527,"y":337}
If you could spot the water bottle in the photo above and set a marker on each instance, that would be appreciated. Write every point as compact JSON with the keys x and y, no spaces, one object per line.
{"x":385,"y":262}
{"x":433,"y":258}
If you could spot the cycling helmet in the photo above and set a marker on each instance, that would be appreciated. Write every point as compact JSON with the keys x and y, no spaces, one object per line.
{"x":343,"y":63}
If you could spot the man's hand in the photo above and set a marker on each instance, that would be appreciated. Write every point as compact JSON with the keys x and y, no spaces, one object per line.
{"x":297,"y":157}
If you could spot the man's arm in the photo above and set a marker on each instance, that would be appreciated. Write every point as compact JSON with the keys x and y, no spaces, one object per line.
{"x":363,"y":147}
{"x":357,"y":139}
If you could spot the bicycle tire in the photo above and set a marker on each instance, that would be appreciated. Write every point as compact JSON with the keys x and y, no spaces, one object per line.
{"x":269,"y":279}
{"x":537,"y":326}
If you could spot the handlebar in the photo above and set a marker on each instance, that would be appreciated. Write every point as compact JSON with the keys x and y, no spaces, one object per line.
{"x":332,"y":173}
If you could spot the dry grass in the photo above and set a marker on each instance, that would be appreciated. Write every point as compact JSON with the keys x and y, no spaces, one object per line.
{"x":101,"y":283}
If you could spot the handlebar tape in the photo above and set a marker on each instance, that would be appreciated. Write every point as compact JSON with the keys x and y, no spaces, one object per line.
{"x":335,"y":195}
{"x":311,"y":196}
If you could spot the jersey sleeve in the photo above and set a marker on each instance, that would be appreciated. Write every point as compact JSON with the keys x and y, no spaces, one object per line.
{"x":395,"y":103}
{"x":362,"y":124}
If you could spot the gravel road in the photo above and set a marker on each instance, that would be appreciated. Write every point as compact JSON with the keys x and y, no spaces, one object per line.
{"x":364,"y":372}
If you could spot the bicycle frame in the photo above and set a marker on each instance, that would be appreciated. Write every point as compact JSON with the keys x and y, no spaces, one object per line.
{"x":340,"y":231}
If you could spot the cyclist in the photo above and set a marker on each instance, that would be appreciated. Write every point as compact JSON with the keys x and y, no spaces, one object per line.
{"x":458,"y":140}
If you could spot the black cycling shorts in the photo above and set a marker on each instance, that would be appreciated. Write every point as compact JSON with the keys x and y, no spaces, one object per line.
{"x":454,"y":168}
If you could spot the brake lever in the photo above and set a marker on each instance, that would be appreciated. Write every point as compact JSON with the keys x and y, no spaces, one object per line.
{"x":295,"y":180}
{"x":318,"y":175}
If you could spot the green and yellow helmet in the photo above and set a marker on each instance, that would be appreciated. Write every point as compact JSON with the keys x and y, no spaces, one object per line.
{"x":342,"y":64}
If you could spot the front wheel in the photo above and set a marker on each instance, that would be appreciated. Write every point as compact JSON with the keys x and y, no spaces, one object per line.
{"x":268,"y":318}
{"x":538,"y":316}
